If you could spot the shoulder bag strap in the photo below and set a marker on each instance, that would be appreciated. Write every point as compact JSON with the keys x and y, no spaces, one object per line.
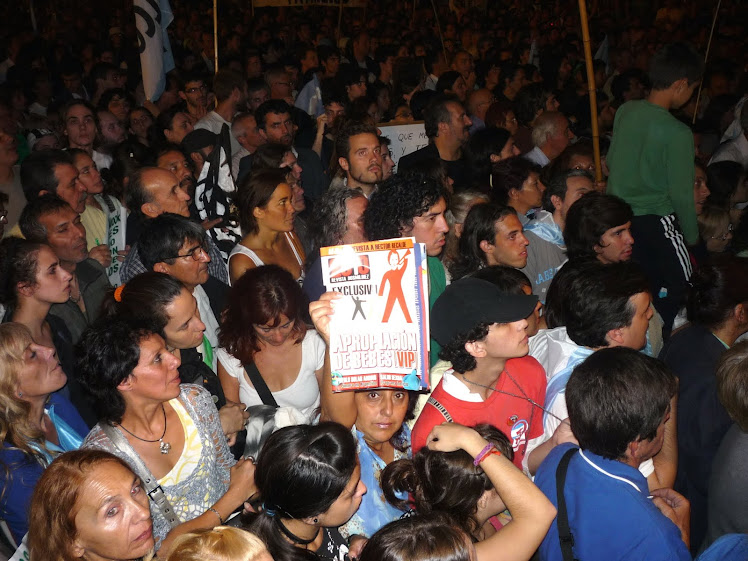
{"x":439,"y":407}
{"x":152,"y":487}
{"x":564,"y":531}
{"x":260,"y":386}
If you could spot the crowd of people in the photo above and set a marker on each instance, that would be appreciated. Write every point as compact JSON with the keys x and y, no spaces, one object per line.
{"x":165,"y":372}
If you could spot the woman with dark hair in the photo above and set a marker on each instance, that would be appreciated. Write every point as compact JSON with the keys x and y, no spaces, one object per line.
{"x":169,"y":309}
{"x":280,"y":156}
{"x":480,"y":245}
{"x":31,"y":280}
{"x":516,"y":182}
{"x":36,"y":422}
{"x":172,"y":126}
{"x":460,"y":204}
{"x":118,"y":102}
{"x":90,"y":506}
{"x":717,"y":308}
{"x":489,"y":146}
{"x":426,"y":537}
{"x":376,"y":417}
{"x":501,"y":115}
{"x":170,"y":434}
{"x":308,"y":484}
{"x":266,"y":214}
{"x":140,"y":123}
{"x":89,"y":176}
{"x":468,"y":473}
{"x":451,"y":82}
{"x":266,"y":347}
{"x":727,"y":188}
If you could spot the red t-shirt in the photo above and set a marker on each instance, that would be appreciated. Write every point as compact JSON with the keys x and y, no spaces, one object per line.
{"x":517,"y":418}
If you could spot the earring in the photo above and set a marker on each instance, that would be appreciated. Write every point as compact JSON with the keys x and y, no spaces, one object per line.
{"x":20,"y":394}
{"x":316,"y":520}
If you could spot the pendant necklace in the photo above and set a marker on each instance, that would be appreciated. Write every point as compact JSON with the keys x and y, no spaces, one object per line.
{"x":164,"y":446}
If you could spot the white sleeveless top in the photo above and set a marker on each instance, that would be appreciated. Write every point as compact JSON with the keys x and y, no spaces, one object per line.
{"x":302,"y":394}
{"x":239,"y":248}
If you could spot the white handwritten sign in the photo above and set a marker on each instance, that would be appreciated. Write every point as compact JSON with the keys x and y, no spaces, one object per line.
{"x":116,"y":241}
{"x":404,"y":139}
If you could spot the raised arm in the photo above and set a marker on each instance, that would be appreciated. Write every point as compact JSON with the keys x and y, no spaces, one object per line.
{"x":339,"y":407}
{"x":532,"y":513}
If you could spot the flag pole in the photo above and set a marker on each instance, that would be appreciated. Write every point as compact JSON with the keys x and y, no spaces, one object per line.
{"x":215,"y":35}
{"x":340,"y":21}
{"x":439,"y":28}
{"x":706,"y":56}
{"x":592,"y":89}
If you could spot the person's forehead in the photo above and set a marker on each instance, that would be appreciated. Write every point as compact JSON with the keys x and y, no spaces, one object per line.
{"x":363,"y":140}
{"x":579,"y":183}
{"x":193,"y":84}
{"x":65,"y":171}
{"x":190,"y":244}
{"x":59,"y":217}
{"x":159,"y":180}
{"x":279,"y":116}
{"x":78,"y":112}
{"x":171,"y":158}
{"x":620,"y":227}
{"x":509,"y":224}
{"x":455,"y":109}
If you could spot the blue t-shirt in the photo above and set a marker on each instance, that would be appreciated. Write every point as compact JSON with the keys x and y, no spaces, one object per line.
{"x":609,"y":513}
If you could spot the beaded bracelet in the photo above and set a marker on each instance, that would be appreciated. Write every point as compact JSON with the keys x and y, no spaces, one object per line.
{"x":482,"y":454}
{"x":218,"y":514}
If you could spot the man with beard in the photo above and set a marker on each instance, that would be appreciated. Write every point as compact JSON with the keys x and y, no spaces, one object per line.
{"x":194,"y":93}
{"x":448,"y":130}
{"x":276,"y":125}
{"x":360,"y":157}
{"x":411,"y":204}
{"x":231,"y":96}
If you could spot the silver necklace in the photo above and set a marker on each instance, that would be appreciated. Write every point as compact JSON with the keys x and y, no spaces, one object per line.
{"x":524,"y":395}
{"x":164,"y":446}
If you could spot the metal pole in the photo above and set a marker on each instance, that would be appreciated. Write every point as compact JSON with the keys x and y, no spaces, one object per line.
{"x":591,"y":88}
{"x":706,"y":56}
{"x":215,"y":35}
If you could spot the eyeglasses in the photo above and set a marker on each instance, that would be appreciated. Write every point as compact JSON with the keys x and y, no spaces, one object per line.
{"x":196,"y":252}
{"x":724,"y":236}
{"x":196,"y":89}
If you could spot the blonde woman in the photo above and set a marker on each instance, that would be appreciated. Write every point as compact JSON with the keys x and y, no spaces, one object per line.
{"x":222,"y":543}
{"x":35,"y":422}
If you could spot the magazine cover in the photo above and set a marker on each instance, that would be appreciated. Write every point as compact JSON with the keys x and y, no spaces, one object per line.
{"x":379,"y":333}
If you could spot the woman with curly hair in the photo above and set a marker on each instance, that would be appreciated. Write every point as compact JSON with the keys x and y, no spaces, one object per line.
{"x":339,"y":219}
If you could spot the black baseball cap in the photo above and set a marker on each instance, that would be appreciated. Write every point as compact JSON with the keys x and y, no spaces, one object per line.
{"x":198,"y":139}
{"x":469,"y":301}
